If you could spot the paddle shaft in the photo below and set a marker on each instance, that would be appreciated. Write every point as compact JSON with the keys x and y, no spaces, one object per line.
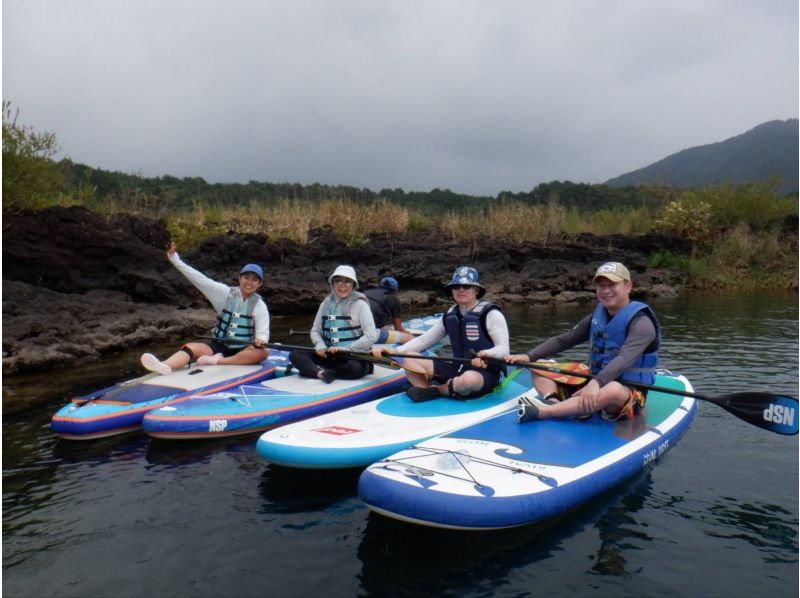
{"x":293,"y":332}
{"x":356,"y":355}
{"x":554,"y":370}
{"x":772,"y":412}
{"x":344,"y":352}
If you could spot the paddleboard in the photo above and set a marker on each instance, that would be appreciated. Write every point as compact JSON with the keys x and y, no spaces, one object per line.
{"x":360,"y":435}
{"x":120,"y":408}
{"x":499,"y":473}
{"x":418,"y":326}
{"x":256,"y":407}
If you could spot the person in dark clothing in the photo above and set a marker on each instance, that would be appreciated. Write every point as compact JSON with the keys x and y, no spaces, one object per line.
{"x":386,"y":310}
{"x":476,"y":328}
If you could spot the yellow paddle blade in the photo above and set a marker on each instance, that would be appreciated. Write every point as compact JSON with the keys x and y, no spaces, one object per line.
{"x":562,"y":378}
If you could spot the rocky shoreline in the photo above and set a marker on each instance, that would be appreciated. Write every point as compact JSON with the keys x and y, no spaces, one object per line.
{"x":77,"y":286}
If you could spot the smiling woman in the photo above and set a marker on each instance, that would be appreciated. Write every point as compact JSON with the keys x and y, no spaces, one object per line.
{"x":344,"y":319}
{"x":242,"y":329}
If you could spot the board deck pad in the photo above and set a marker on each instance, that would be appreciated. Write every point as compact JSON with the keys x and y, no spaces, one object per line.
{"x":256,"y":407}
{"x":499,"y":473}
{"x":358,"y":436}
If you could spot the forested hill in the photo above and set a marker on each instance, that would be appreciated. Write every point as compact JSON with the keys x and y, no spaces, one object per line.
{"x":768,"y":150}
{"x":169,"y":193}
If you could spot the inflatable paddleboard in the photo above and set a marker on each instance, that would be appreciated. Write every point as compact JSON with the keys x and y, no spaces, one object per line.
{"x":499,"y":473}
{"x":256,"y":407}
{"x":418,"y":326}
{"x":360,"y":435}
{"x":120,"y":408}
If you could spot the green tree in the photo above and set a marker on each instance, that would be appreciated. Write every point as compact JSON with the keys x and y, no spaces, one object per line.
{"x":30,"y":177}
{"x":689,"y":217}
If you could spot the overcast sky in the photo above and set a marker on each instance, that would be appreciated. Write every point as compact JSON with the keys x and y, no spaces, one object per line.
{"x":474,"y":96}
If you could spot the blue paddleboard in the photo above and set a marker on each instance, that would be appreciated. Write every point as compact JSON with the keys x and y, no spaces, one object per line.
{"x":120,"y":408}
{"x":499,"y":473}
{"x":357,"y":436}
{"x":256,"y":407}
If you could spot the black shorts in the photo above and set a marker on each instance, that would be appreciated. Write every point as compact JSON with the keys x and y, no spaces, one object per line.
{"x":447,"y":370}
{"x":226,"y":350}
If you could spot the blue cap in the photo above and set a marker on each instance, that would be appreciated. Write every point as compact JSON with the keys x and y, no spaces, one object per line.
{"x":389,"y":283}
{"x":466,"y":275}
{"x":254,"y":268}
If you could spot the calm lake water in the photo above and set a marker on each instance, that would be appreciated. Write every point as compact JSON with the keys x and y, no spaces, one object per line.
{"x":130,"y":516}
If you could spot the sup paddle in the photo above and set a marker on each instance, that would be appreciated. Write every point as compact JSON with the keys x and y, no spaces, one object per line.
{"x":292,"y":332}
{"x":773,"y":412}
{"x":393,"y":363}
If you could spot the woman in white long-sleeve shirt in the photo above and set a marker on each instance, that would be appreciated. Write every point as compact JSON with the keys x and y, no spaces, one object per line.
{"x":476,"y":329}
{"x":242,"y":329}
{"x":343,"y":320}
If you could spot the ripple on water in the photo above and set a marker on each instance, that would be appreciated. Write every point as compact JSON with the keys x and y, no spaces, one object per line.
{"x":95,"y":518}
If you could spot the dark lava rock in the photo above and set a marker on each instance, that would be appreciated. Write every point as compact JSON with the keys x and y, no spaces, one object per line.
{"x":77,"y":285}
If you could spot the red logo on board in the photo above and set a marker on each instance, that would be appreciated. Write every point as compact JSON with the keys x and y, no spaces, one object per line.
{"x":337,"y":430}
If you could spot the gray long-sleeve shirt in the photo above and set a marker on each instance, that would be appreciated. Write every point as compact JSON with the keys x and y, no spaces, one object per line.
{"x":641,"y":333}
{"x":358,"y":309}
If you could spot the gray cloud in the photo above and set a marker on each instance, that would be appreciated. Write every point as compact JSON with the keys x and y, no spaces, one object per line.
{"x":475,"y":96}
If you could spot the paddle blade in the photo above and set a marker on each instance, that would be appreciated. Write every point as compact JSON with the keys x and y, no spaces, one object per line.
{"x":776,"y":413}
{"x":560,"y":372}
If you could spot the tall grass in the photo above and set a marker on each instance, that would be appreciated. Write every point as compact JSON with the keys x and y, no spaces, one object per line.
{"x":625,"y":221}
{"x":747,"y":260}
{"x":510,"y":221}
{"x":741,"y":236}
{"x":350,"y":222}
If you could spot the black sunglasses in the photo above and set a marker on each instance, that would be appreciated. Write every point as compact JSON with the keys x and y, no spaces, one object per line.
{"x":462,"y":287}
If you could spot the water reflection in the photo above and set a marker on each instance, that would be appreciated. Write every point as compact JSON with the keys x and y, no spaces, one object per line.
{"x":96,"y":518}
{"x":398,"y":559}
{"x":401,"y":559}
{"x":619,"y":530}
{"x":768,"y":527}
{"x":288,"y":490}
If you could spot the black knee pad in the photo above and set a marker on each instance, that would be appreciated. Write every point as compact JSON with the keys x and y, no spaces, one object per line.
{"x":188,"y":351}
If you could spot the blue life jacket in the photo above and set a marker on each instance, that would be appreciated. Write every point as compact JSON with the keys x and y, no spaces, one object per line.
{"x":235,"y":323}
{"x":468,"y":333}
{"x":607,"y":337}
{"x":338,"y":328}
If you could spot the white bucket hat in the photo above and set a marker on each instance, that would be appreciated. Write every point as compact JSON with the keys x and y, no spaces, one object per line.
{"x":347,"y":272}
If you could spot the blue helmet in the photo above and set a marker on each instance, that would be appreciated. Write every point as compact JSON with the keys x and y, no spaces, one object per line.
{"x":389,"y":283}
{"x":466,"y":275}
{"x":254,"y":268}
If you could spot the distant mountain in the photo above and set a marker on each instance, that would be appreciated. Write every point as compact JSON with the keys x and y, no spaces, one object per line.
{"x":770,"y":149}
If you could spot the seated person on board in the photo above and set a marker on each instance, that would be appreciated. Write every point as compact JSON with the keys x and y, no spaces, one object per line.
{"x":343,"y":321}
{"x":625,"y":337}
{"x":242,"y":329}
{"x":476,"y":329}
{"x":386,"y":310}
